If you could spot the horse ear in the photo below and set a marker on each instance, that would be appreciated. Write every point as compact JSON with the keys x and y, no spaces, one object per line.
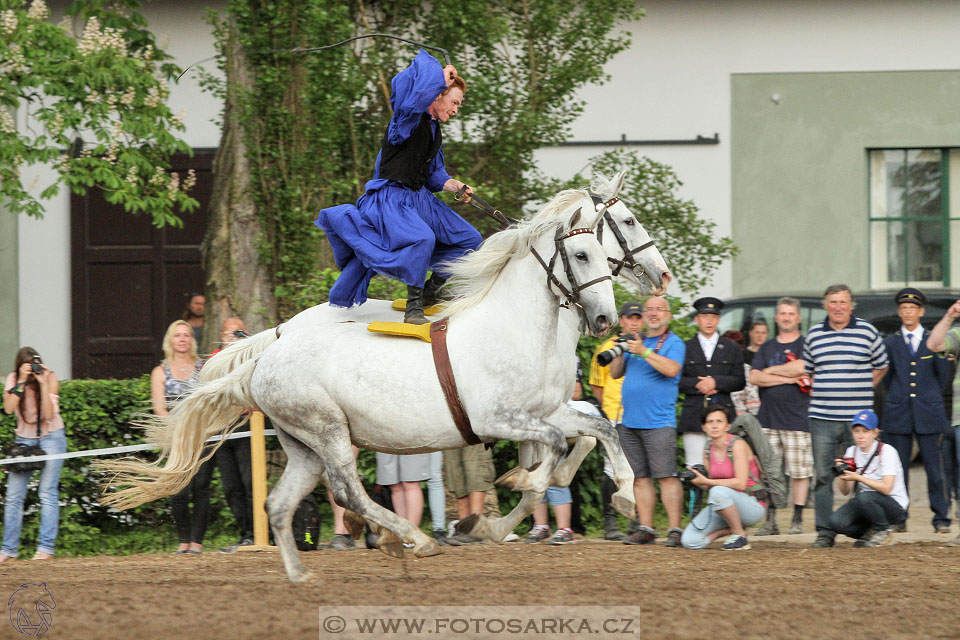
{"x":574,"y":219}
{"x":616,"y":184}
{"x":598,"y":184}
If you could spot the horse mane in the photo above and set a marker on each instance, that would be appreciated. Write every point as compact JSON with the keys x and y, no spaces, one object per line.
{"x":472,"y":276}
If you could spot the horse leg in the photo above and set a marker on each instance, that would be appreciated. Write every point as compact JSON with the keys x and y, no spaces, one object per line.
{"x":332,"y":444}
{"x":298,"y":479}
{"x":577,"y":424}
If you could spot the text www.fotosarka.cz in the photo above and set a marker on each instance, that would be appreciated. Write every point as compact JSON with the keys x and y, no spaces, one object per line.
{"x":395,"y":621}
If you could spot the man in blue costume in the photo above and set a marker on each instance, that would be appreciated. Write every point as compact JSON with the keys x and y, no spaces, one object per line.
{"x":398,"y":228}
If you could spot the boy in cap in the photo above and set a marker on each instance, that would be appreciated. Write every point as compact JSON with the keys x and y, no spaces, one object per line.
{"x":874,"y":473}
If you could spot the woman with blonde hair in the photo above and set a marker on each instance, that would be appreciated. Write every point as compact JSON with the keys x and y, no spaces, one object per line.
{"x":170,"y":381}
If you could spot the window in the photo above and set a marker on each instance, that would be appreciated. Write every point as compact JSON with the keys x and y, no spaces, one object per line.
{"x":911,"y":218}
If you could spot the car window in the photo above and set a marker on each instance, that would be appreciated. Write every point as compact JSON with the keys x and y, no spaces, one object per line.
{"x":764,"y":313}
{"x":812,"y":315}
{"x":731,"y":318}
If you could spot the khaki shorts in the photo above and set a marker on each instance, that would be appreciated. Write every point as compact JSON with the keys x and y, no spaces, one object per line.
{"x":468,"y":469}
{"x":795,"y":449}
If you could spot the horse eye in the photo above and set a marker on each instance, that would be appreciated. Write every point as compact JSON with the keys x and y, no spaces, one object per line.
{"x":629,"y":222}
{"x":581,"y":256}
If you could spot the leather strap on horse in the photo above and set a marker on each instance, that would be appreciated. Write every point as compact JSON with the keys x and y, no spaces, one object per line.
{"x":441,"y":360}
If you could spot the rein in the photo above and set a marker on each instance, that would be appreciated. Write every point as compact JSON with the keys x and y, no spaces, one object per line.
{"x":571,"y":295}
{"x":628,"y":253}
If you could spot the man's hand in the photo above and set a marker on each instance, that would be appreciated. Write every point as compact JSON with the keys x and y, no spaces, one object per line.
{"x":449,"y":73}
{"x":455,"y":185}
{"x":707,"y":385}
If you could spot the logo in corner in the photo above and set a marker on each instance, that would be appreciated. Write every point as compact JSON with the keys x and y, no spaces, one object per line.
{"x":31,"y":609}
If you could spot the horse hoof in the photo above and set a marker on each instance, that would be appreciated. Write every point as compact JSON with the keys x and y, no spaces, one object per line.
{"x":514,"y":478}
{"x":303,"y":576}
{"x":390,"y":543}
{"x":468,"y":524}
{"x":354,"y":523}
{"x":626,"y":507}
{"x":427,"y":550}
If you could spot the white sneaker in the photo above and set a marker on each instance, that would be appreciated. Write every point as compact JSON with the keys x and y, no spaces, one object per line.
{"x":511,"y":537}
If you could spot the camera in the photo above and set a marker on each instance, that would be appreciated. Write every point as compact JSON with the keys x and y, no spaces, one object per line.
{"x":36,"y":366}
{"x":847,"y":464}
{"x":687,"y":475}
{"x":606,"y":357}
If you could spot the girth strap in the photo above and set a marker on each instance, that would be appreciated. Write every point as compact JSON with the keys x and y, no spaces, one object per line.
{"x":441,"y":360}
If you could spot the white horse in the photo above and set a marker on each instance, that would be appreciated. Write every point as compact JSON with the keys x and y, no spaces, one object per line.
{"x":324,"y":389}
{"x":634,"y":256}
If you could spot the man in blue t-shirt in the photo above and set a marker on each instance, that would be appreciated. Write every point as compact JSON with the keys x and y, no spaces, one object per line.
{"x":648,"y":433}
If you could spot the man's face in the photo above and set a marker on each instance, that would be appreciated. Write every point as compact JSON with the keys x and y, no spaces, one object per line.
{"x":707,"y":323}
{"x":839,"y":307}
{"x":910,"y":314}
{"x":447,"y":105}
{"x":632,"y":323}
{"x":656,"y":313}
{"x":863,"y":437}
{"x":787,"y":318}
{"x":229,"y":326}
{"x":197,"y":303}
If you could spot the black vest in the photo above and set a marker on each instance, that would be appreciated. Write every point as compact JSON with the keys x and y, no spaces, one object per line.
{"x":409,"y":162}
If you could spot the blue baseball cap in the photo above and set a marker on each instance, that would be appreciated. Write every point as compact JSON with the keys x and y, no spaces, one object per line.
{"x":866,"y":419}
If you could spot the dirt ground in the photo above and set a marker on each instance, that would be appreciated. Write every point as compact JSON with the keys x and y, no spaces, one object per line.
{"x":775,"y":590}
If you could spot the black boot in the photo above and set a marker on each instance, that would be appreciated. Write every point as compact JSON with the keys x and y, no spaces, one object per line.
{"x":431,"y":292}
{"x":414,"y":311}
{"x":769,"y":527}
{"x":611,"y":528}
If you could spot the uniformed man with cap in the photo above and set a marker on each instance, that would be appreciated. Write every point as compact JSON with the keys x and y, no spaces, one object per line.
{"x":914,"y":406}
{"x":712,"y":370}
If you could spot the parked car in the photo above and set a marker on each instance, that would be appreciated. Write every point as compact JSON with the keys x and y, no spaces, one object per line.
{"x":876,"y":307}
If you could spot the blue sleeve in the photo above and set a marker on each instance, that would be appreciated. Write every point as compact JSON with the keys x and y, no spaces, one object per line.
{"x":675,"y":350}
{"x":438,"y":173}
{"x":411,"y":92}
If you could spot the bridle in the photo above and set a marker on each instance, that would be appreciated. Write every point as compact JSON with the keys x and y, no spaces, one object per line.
{"x":572,"y":295}
{"x":628,"y":260}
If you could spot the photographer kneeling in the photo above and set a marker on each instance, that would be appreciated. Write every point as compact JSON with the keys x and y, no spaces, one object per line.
{"x":874,"y":473}
{"x":733,"y":473}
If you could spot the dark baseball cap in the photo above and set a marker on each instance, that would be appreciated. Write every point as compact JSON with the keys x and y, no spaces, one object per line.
{"x":631,"y":309}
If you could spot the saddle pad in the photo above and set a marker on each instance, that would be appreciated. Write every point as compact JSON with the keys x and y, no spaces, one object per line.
{"x":421,"y":331}
{"x":400,"y":304}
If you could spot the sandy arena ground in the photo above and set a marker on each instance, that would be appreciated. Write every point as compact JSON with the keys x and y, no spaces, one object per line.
{"x":779,"y":589}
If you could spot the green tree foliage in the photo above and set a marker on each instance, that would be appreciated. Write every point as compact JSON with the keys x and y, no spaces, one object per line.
{"x":93,"y":106}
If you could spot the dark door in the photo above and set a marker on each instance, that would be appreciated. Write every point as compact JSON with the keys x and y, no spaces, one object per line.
{"x":130,"y":279}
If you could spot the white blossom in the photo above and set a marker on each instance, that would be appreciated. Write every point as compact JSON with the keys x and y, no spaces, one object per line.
{"x":7,"y":125}
{"x":177,"y":120}
{"x":191,"y":180}
{"x":8,"y":21}
{"x":38,"y":10}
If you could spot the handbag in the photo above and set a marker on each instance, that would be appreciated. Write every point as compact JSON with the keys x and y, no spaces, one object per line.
{"x":20,"y":450}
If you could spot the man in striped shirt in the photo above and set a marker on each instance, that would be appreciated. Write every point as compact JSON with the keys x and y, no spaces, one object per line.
{"x":846,"y":358}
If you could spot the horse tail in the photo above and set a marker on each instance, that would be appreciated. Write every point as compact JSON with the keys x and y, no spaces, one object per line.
{"x":236,"y":354}
{"x":213,"y":408}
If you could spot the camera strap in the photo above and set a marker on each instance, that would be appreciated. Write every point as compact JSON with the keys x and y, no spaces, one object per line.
{"x":660,"y":341}
{"x":869,"y":460}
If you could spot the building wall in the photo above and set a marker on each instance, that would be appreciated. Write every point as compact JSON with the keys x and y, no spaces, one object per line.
{"x":800,"y":172}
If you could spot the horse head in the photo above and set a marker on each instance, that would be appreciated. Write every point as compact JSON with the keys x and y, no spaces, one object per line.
{"x":578,"y":271}
{"x":631,"y":250}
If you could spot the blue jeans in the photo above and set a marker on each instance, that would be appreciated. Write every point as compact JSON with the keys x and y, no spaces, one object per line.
{"x":830,"y":439}
{"x":436,"y":496}
{"x":865,"y":511}
{"x":697,"y":533}
{"x":49,"y":493}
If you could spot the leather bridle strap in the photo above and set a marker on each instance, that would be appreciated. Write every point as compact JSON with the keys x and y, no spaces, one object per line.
{"x":628,"y":253}
{"x":441,"y":361}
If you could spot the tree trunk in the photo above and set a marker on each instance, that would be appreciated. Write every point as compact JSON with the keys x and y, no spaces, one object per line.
{"x":238,"y":281}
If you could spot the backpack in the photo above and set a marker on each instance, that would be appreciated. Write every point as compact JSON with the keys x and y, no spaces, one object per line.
{"x":306,"y":524}
{"x":747,"y":427}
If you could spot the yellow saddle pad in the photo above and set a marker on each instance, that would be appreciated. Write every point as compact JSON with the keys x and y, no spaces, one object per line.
{"x":421,"y":331}
{"x":400,"y":304}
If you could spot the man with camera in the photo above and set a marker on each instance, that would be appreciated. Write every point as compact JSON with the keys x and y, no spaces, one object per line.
{"x":650,"y":367}
{"x":847,"y":359}
{"x":874,"y":473}
{"x":608,"y":390}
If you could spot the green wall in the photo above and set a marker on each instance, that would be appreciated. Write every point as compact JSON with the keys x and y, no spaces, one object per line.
{"x":9,"y":290}
{"x":799,"y":168}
